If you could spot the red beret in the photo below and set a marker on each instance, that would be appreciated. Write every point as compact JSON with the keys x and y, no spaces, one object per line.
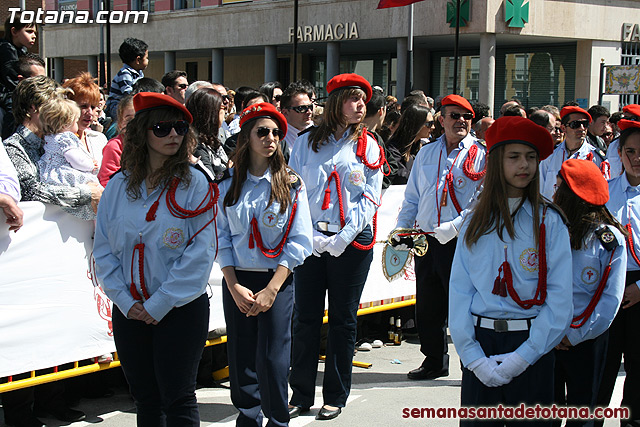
{"x":625,"y":124}
{"x":586,"y":181}
{"x":145,"y":101}
{"x":516,"y":129}
{"x":459,"y":101}
{"x":263,"y":110}
{"x":632,"y":109}
{"x":350,"y":81}
{"x":571,"y":109}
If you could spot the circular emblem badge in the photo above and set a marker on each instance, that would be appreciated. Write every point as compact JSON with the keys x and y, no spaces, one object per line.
{"x":173,"y":238}
{"x":269,"y":219}
{"x":459,"y":182}
{"x":356,"y":177}
{"x":608,"y":237}
{"x":589,"y":275}
{"x":293,"y":178}
{"x":529,"y":260}
{"x":395,"y":260}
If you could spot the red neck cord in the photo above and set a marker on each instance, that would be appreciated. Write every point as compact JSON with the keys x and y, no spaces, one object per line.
{"x":630,"y":246}
{"x":208,"y":202}
{"x":467,"y":168}
{"x":504,"y":284}
{"x":582,"y":318}
{"x":255,"y":233}
{"x":361,"y":151}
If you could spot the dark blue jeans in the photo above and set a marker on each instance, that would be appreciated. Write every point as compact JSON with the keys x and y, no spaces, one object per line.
{"x":343,"y":278}
{"x":533,"y":386}
{"x":259,"y":349}
{"x":161,"y":362}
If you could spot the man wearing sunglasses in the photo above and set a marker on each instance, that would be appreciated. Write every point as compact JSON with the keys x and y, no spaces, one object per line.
{"x":629,"y":112}
{"x":444,"y":181}
{"x":574,"y":123}
{"x":297,"y":107}
{"x":175,"y":85}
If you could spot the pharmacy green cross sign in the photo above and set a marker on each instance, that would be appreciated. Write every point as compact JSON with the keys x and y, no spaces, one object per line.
{"x":465,"y":12}
{"x":516,"y":13}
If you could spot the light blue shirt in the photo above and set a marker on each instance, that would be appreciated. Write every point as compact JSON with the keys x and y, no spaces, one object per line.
{"x":9,"y":183}
{"x":361,"y":186}
{"x":423,"y":194}
{"x":234,"y":226}
{"x":624,"y":205}
{"x":475,"y":269}
{"x":550,"y":166}
{"x":614,"y":158}
{"x":589,"y":264}
{"x":175,"y":274}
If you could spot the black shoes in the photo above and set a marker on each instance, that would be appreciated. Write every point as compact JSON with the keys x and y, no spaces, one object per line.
{"x":328,"y":414}
{"x":62,"y":413}
{"x":295,"y":411}
{"x":426,"y":373}
{"x":26,"y":421}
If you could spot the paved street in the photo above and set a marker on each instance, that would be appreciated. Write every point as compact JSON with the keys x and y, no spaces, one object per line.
{"x":378,"y":396}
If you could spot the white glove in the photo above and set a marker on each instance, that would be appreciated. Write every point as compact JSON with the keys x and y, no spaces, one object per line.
{"x":485,"y":370}
{"x":445,"y":232}
{"x":511,"y":364}
{"x":336,"y":245}
{"x":319,"y":242}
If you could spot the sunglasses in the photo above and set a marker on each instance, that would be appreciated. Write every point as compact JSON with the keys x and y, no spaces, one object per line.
{"x":225,"y":99}
{"x":607,"y":134}
{"x":162,"y":129}
{"x":277,"y":98}
{"x":430,"y":123}
{"x":456,"y":116}
{"x":263,"y":132}
{"x":578,"y":123}
{"x":182,"y":86}
{"x":301,"y":108}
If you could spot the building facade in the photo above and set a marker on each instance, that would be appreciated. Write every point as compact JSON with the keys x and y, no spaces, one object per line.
{"x":540,"y":51}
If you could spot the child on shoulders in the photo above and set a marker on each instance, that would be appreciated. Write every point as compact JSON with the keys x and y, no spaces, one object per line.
{"x":135,"y":56}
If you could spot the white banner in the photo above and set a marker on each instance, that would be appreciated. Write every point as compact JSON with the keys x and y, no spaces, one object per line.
{"x":52,"y":312}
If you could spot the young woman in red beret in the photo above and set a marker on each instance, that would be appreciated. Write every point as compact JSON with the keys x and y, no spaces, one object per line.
{"x":599,"y":267}
{"x":510,"y":286}
{"x":264,"y":233}
{"x":624,"y":204}
{"x":154,"y":247}
{"x":340,"y":164}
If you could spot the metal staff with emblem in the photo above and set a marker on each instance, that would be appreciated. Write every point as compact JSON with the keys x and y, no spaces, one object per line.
{"x":400,"y":247}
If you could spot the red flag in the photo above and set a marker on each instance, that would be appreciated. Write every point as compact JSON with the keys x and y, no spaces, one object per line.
{"x":395,"y":3}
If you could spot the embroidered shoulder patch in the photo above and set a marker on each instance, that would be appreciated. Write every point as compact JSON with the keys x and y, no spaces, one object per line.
{"x":269,"y":219}
{"x":356,"y":177}
{"x":173,"y":238}
{"x":589,"y":275}
{"x":529,"y":260}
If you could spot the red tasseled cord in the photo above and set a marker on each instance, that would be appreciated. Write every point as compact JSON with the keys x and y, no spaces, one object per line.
{"x":151,"y":215}
{"x":327,"y":197}
{"x":251,"y":245}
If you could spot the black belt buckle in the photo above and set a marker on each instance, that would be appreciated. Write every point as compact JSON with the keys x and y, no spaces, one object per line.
{"x":500,"y":325}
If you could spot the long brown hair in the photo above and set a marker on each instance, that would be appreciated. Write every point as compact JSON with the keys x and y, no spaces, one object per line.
{"x":135,"y":152}
{"x":280,"y":182}
{"x":333,"y":119}
{"x":492,"y":212}
{"x":204,"y":105}
{"x":583,"y":217}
